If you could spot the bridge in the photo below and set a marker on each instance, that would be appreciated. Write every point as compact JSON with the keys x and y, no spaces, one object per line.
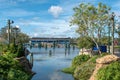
{"x":50,"y":40}
{"x":38,"y":41}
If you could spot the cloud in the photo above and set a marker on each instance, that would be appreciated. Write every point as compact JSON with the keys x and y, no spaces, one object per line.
{"x":55,"y":10}
{"x":47,"y":28}
{"x":35,"y":34}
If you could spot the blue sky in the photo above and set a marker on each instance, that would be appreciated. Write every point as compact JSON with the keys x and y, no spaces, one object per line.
{"x":46,"y":18}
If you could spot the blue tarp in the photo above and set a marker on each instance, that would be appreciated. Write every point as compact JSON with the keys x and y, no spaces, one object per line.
{"x":102,"y":48}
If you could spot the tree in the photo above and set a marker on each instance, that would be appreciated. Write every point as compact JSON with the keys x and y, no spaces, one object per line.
{"x":91,"y":21}
{"x":85,"y":42}
{"x":16,"y":35}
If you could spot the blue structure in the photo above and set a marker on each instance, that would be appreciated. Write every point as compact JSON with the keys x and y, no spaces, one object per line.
{"x":50,"y":40}
{"x":102,"y":48}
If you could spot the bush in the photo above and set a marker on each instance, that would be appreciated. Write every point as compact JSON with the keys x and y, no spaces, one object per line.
{"x":15,"y":74}
{"x":78,"y":60}
{"x":110,"y":72}
{"x":10,"y":69}
{"x":84,"y":71}
{"x":20,"y":51}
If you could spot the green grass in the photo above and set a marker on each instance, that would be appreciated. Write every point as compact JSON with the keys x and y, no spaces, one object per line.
{"x":69,"y":70}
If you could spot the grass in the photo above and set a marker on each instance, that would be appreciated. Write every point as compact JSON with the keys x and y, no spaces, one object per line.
{"x":69,"y":70}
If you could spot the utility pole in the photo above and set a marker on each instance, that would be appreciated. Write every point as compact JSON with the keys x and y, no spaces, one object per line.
{"x":113,"y":26}
{"x":9,"y":30}
{"x":109,"y":38}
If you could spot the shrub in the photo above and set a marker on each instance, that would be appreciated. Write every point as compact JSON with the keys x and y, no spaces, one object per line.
{"x":20,"y":51}
{"x":110,"y":72}
{"x":10,"y":69}
{"x":78,"y":60}
{"x":84,"y":71}
{"x":15,"y":74}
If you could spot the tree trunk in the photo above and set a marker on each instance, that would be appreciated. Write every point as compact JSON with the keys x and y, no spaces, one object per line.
{"x":97,"y":46}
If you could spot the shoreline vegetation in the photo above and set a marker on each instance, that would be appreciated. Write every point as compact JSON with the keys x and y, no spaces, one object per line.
{"x":97,"y":67}
{"x":13,"y":63}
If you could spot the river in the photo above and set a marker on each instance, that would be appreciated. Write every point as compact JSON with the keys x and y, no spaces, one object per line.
{"x":48,"y":63}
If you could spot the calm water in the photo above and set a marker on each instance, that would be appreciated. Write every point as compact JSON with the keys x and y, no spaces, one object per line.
{"x":48,"y":63}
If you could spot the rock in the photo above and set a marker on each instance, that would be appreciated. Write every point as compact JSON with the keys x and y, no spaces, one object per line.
{"x":84,"y":51}
{"x":26,"y":65}
{"x":107,"y":59}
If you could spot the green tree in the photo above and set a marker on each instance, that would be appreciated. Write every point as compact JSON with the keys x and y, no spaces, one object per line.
{"x":15,"y":36}
{"x":85,"y":42}
{"x":91,"y":21}
{"x":22,"y":37}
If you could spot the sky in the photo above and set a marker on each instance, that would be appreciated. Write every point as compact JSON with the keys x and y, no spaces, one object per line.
{"x":46,"y":18}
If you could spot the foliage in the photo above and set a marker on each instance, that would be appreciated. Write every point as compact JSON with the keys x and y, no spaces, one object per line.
{"x":10,"y":69}
{"x":20,"y":50}
{"x":17,"y":50}
{"x":85,"y":42}
{"x":105,"y":40}
{"x":91,"y":21}
{"x":15,"y":36}
{"x":84,"y":71}
{"x":83,"y":66}
{"x":110,"y":72}
{"x":78,"y":60}
{"x":15,"y":74}
{"x":22,"y":38}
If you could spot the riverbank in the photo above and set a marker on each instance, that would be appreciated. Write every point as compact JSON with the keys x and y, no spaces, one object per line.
{"x":93,"y":68}
{"x":14,"y":65}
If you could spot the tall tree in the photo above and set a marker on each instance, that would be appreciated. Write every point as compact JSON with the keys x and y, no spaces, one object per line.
{"x":15,"y":34}
{"x":91,"y":21}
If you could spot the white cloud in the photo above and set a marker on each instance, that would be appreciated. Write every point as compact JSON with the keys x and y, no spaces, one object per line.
{"x":35,"y":34}
{"x":53,"y":28}
{"x":55,"y":10}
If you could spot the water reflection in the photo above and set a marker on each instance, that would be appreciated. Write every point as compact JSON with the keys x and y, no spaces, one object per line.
{"x":49,"y":62}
